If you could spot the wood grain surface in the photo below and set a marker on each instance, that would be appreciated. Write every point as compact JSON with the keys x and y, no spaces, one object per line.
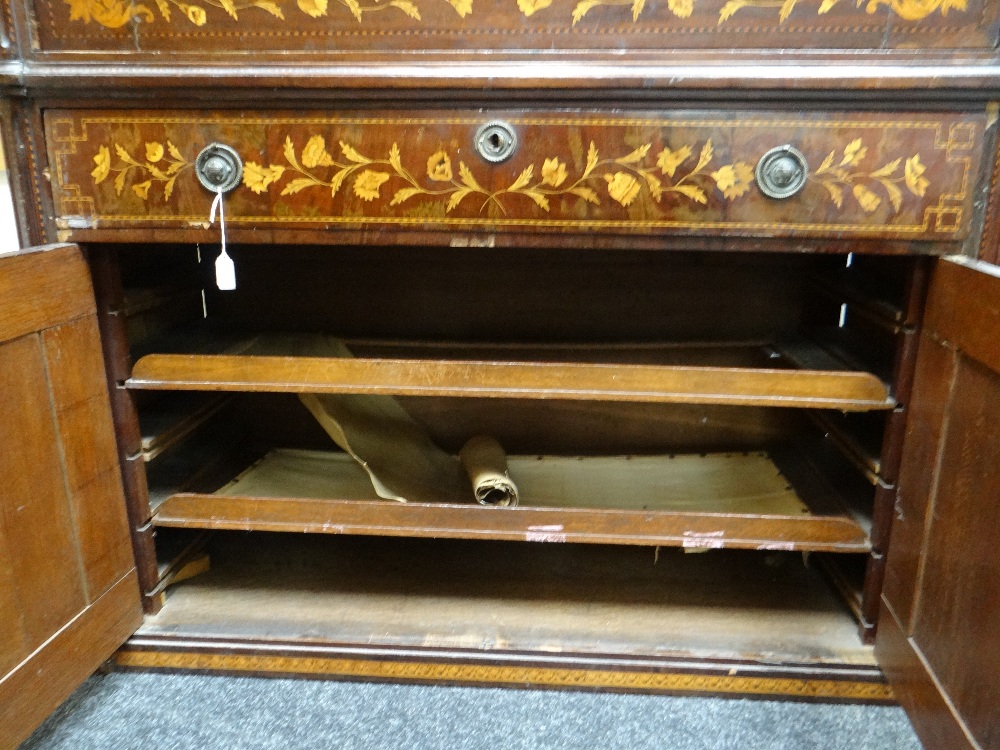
{"x":41,"y":288}
{"x":39,"y":541}
{"x":69,"y":595}
{"x":50,"y":674}
{"x":943,"y":594}
{"x":893,"y":176}
{"x":511,"y":603}
{"x":929,"y":711}
{"x":958,"y":607}
{"x":705,"y":503}
{"x":935,"y":377}
{"x":849,"y":391}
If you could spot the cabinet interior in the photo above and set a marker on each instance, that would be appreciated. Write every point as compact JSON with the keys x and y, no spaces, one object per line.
{"x":733,"y":404}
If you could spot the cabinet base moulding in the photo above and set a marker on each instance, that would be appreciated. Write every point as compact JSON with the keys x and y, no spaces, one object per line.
{"x":861,"y":684}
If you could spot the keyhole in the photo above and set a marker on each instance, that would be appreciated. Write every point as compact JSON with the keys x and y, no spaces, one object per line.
{"x":495,"y":141}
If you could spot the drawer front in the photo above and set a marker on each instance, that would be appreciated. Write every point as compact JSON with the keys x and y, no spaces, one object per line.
{"x":391,"y":26}
{"x":907,"y":177}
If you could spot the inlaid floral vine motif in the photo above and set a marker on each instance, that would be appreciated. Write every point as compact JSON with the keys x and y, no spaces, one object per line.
{"x":160,"y":166}
{"x":114,"y":14}
{"x":687,"y":173}
{"x":909,"y":10}
{"x":621,"y":178}
{"x":837,"y":173}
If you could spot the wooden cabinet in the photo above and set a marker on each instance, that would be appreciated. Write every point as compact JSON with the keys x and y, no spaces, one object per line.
{"x":707,"y":372}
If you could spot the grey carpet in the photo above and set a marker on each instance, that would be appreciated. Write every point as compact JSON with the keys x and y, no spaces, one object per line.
{"x":146,"y":711}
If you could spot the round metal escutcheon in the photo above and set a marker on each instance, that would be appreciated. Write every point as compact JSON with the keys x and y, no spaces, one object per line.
{"x":782,"y":172}
{"x":218,"y":167}
{"x":496,"y":141}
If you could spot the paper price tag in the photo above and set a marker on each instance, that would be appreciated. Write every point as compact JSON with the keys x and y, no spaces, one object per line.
{"x":225,"y":269}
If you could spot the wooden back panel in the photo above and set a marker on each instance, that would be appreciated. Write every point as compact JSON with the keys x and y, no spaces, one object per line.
{"x":551,"y":427}
{"x":496,"y":295}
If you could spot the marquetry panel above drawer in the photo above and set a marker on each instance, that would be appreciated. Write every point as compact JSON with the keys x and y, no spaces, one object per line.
{"x":378,"y":26}
{"x":908,"y":177}
{"x":8,"y":38}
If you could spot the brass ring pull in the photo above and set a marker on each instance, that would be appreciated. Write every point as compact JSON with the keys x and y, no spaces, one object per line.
{"x":218,"y":168}
{"x":782,"y":172}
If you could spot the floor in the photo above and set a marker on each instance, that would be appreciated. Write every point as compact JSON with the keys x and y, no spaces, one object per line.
{"x":133,"y":711}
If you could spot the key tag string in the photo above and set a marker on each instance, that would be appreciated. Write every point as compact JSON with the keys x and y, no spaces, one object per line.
{"x":225,"y":269}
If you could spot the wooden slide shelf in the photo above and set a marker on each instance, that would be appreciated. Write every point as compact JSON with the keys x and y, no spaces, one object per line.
{"x":166,"y":425}
{"x":781,"y":382}
{"x":865,"y":460}
{"x":739,"y":500}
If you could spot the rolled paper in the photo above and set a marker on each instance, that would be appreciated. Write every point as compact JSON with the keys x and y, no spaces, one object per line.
{"x":486,"y":464}
{"x":402,"y":461}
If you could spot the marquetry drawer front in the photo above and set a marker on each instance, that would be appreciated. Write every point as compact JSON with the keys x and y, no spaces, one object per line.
{"x":907,"y":177}
{"x":375,"y":26}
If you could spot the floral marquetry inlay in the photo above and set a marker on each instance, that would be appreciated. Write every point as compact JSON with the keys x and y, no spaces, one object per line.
{"x":910,"y":10}
{"x":837,"y":173}
{"x":673,"y":171}
{"x":902,"y":176}
{"x":623,"y":177}
{"x":115,"y":14}
{"x":156,"y":164}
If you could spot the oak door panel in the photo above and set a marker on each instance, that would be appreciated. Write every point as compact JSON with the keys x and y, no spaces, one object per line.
{"x":93,"y":477}
{"x":68,"y":595}
{"x":935,"y":375}
{"x":11,"y":630}
{"x":36,"y":512}
{"x":938,"y":634}
{"x":957,"y":618}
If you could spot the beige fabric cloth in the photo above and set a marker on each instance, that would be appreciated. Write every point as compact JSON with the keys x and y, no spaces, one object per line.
{"x":401,"y":460}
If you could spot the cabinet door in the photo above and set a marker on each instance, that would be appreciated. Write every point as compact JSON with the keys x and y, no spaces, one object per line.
{"x":68,"y":591}
{"x":939,"y":633}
